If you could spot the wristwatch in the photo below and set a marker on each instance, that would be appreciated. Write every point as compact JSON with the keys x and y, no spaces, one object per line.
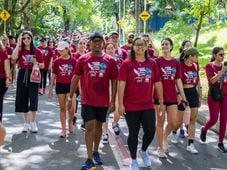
{"x":69,"y":99}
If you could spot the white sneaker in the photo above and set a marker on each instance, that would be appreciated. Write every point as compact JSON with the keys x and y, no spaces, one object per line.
{"x":26,"y":128}
{"x":145,"y":157}
{"x":134,"y":165}
{"x":34,"y":128}
{"x":174,"y":139}
{"x":191,"y":148}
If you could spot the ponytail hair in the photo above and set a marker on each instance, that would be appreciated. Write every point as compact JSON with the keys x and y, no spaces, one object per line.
{"x":215,"y":51}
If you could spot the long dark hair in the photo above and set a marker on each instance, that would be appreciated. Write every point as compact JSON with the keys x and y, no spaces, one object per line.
{"x":215,"y":50}
{"x":32,"y":46}
{"x":132,"y":54}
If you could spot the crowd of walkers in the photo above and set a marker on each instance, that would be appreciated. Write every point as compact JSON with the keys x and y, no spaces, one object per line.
{"x":134,"y":81}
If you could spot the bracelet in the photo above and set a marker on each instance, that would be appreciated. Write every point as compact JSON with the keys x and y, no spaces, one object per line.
{"x":178,"y":93}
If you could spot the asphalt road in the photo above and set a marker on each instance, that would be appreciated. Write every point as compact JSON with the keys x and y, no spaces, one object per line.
{"x":46,"y":151}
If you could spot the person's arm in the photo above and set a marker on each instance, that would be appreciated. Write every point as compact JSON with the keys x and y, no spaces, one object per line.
{"x":52,"y":82}
{"x":121,"y":90}
{"x":180,"y":89}
{"x":113,"y":97}
{"x":7,"y":71}
{"x":217,"y":77}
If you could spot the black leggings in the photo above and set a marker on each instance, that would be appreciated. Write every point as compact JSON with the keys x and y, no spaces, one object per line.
{"x":3,"y":90}
{"x":43,"y":78}
{"x":133,"y":119}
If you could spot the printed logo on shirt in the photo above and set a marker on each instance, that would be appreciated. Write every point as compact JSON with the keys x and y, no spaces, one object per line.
{"x":142,"y":74}
{"x":119,"y":56}
{"x":97,"y":69}
{"x":168,"y":72}
{"x":191,"y":77}
{"x":66,"y":69}
{"x":27,"y":59}
{"x":44,"y":52}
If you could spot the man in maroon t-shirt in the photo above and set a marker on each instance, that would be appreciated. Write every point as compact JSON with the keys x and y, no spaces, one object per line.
{"x":95,"y":70}
{"x":128,"y":46}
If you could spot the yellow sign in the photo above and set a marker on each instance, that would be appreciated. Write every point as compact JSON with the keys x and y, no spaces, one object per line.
{"x":145,"y":15}
{"x":120,"y":22}
{"x":4,"y":15}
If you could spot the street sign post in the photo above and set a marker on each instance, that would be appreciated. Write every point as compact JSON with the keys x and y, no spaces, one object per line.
{"x":145,"y":15}
{"x":4,"y":15}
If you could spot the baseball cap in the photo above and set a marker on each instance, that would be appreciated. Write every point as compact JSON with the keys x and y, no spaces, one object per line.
{"x":114,"y":33}
{"x":192,"y":51}
{"x":130,"y":34}
{"x":62,"y":45}
{"x":96,"y":35}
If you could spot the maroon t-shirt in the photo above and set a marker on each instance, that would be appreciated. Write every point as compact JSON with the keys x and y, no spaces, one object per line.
{"x":127,"y":48}
{"x":64,"y":69}
{"x":121,"y":53}
{"x":189,"y":74}
{"x":3,"y":57}
{"x":9,"y":50}
{"x":47,"y":55}
{"x":150,"y":52}
{"x":211,"y":71}
{"x":169,"y":71}
{"x":76,"y":55}
{"x":96,"y":73}
{"x":140,"y":78}
{"x":25,"y":58}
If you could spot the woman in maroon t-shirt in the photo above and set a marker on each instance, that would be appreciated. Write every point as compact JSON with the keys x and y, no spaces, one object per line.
{"x":216,"y":75}
{"x":4,"y":83}
{"x":138,"y":75}
{"x":63,"y":70}
{"x":27,"y":92}
{"x":170,"y":74}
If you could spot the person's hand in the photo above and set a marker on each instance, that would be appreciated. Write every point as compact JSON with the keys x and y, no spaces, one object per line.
{"x":33,"y":60}
{"x":69,"y":105}
{"x":111,"y":107}
{"x":8,"y":82}
{"x":121,"y":110}
{"x":50,"y":94}
{"x":19,"y":40}
{"x":179,"y":98}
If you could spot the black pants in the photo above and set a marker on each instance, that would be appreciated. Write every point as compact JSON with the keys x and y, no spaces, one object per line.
{"x":134,"y":119}
{"x":3,"y":90}
{"x":43,"y":78}
{"x":26,"y":92}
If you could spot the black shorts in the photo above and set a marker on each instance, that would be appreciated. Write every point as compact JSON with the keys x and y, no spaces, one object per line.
{"x":62,"y":88}
{"x":156,"y":102}
{"x":192,"y":96}
{"x":93,"y":113}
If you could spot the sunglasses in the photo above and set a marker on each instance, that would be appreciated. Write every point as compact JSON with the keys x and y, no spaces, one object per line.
{"x":26,"y":38}
{"x":221,"y":54}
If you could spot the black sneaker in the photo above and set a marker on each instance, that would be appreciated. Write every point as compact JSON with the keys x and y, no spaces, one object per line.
{"x":203,"y":135}
{"x":222,"y":148}
{"x":74,"y":120}
{"x":88,"y":165}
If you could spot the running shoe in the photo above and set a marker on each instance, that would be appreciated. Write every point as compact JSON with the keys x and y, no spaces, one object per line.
{"x":134,"y":165}
{"x":97,"y":158}
{"x":88,"y":165}
{"x":34,"y":128}
{"x":116,"y":128}
{"x":145,"y":157}
{"x":105,"y":138}
{"x":222,"y":148}
{"x":191,"y":148}
{"x":203,"y":135}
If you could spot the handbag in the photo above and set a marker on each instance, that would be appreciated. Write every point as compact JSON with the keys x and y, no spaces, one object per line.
{"x":35,"y":75}
{"x":216,"y":92}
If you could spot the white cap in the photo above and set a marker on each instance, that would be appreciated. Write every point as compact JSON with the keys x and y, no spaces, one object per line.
{"x":62,"y":45}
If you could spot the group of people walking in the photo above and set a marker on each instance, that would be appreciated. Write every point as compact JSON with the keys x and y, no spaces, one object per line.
{"x":132,"y":81}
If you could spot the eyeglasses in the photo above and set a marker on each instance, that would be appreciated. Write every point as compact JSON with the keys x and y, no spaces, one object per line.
{"x":140,"y":45}
{"x":28,"y":38}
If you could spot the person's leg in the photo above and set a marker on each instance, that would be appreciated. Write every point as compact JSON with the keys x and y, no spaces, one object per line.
{"x":62,"y":105}
{"x":71,"y":113}
{"x":3,"y":90}
{"x":171,"y":123}
{"x":45,"y":72}
{"x":133,"y":121}
{"x":214,"y":112}
{"x":116,"y":118}
{"x":33,"y":97}
{"x":148,"y":122}
{"x":98,"y":135}
{"x":41,"y":82}
{"x":90,"y":137}
{"x":223,"y":119}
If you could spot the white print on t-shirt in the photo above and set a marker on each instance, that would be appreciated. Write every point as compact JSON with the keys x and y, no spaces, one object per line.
{"x":65,"y":69}
{"x":168,"y":72}
{"x":27,"y":59}
{"x":142,"y":74}
{"x":44,"y":52}
{"x":97,"y":69}
{"x":191,"y":77}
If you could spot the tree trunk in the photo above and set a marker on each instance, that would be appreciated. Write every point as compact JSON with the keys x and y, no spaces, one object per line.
{"x":198,"y":28}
